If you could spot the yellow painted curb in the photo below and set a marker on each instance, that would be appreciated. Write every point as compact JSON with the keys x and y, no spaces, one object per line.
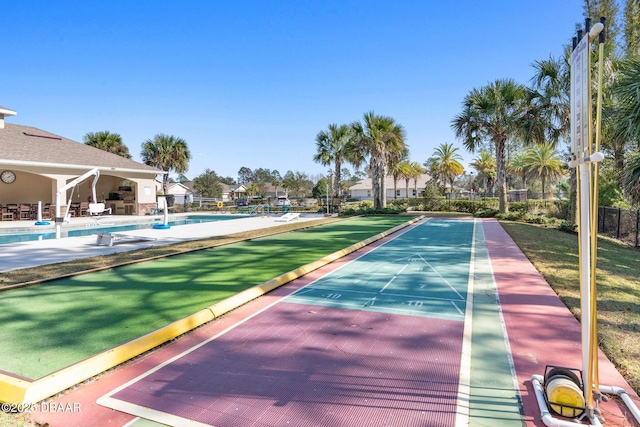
{"x":16,"y":390}
{"x":12,"y":389}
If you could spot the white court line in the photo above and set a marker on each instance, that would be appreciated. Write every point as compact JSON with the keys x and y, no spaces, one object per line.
{"x":464,"y":384}
{"x":453,"y":303}
{"x":341,"y":290}
{"x":440,"y":276}
{"x":393,"y":278}
{"x":389,"y":294}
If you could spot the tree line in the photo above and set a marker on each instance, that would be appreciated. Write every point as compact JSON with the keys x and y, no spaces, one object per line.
{"x":519,"y":132}
{"x":169,"y":153}
{"x":525,"y":130}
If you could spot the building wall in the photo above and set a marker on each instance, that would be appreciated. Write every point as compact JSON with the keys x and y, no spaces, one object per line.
{"x":28,"y":188}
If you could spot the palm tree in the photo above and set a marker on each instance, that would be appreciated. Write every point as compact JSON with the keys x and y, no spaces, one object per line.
{"x":627,"y":113}
{"x":551,"y":99}
{"x":447,"y":162}
{"x":167,"y":153}
{"x":396,"y":172}
{"x":485,"y":164}
{"x":631,"y":177}
{"x":401,"y":170}
{"x":333,"y":146}
{"x":431,"y":167}
{"x":543,"y":162}
{"x":415,"y":171}
{"x":494,"y":112}
{"x":552,"y":85}
{"x":381,"y":140}
{"x":107,"y":141}
{"x":518,"y":165}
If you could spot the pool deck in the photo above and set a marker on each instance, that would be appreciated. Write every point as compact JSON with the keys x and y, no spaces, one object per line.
{"x":14,"y":256}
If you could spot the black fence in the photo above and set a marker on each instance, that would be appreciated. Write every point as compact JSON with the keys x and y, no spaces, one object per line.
{"x":620,"y":224}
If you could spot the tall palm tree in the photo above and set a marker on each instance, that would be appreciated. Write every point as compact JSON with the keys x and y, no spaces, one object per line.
{"x":544,"y":163}
{"x":107,"y":141}
{"x":401,"y":170}
{"x":380,"y":140}
{"x":626,"y":121}
{"x":395,"y":170}
{"x":518,"y":165}
{"x":167,"y":153}
{"x":447,"y":162}
{"x":415,"y":171}
{"x":631,"y":177}
{"x":332,"y":147}
{"x":552,"y":85}
{"x":494,"y":112}
{"x":551,"y":98}
{"x":485,"y":164}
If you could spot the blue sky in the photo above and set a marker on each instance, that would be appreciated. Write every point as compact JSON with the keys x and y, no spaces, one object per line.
{"x":251,"y":83}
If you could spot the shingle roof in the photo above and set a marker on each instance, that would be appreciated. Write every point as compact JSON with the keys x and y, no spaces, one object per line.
{"x":29,"y":144}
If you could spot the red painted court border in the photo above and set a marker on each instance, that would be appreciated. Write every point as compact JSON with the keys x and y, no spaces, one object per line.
{"x":541,"y":329}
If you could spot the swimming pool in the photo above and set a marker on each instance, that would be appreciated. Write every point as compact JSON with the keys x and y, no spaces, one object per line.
{"x":94,"y":228}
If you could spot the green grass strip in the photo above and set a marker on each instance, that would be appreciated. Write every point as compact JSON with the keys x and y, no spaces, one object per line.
{"x":58,"y":323}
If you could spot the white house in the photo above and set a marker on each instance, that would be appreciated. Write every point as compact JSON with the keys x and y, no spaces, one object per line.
{"x":362,"y":190}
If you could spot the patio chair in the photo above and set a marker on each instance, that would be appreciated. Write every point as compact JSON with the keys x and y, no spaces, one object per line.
{"x":14,"y":209}
{"x":25,"y":212}
{"x":6,"y":215}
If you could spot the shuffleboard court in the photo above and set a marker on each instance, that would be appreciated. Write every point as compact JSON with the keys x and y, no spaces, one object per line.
{"x":53,"y":325}
{"x":422,"y":273}
{"x":389,"y":350}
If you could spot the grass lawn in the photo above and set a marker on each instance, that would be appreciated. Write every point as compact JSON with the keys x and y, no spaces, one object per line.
{"x":555,"y":255}
{"x":52,"y":325}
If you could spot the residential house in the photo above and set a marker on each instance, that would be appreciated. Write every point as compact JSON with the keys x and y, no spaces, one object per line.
{"x":363,"y":190}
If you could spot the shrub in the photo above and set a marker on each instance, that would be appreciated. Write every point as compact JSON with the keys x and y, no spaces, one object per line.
{"x":366,"y":208}
{"x":518,"y":207}
{"x":434,"y":204}
{"x":534,"y":219}
{"x":486,"y":213}
{"x":567,"y":227}
{"x":510,"y":216}
{"x":366,"y":204}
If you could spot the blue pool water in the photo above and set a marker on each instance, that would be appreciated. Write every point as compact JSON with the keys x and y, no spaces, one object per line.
{"x":91,"y":229}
